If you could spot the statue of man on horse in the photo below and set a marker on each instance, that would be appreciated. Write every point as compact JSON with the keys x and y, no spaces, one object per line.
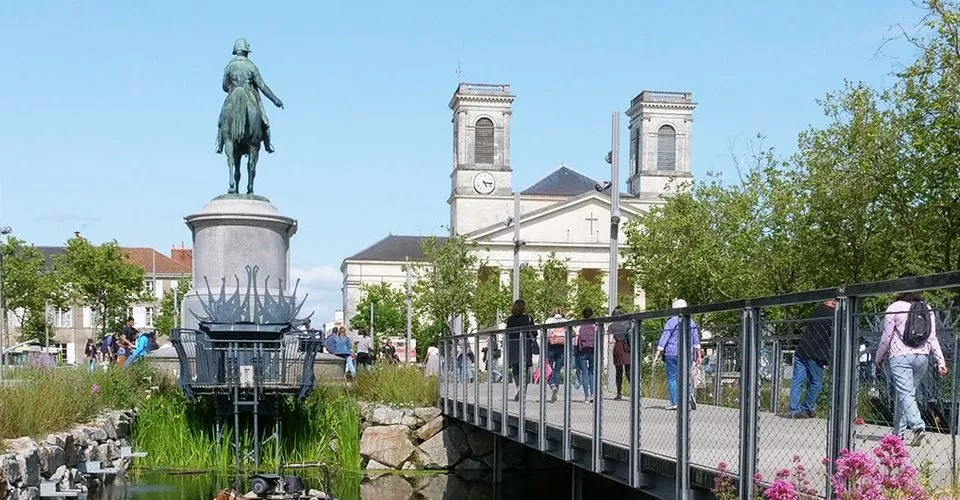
{"x":243,"y":125}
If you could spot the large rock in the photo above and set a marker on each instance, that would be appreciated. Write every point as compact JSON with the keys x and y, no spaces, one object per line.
{"x":444,"y":450}
{"x":387,"y":487}
{"x":427,"y":413}
{"x":388,"y":445}
{"x":51,"y":458}
{"x":384,"y":415}
{"x":10,"y":468}
{"x":29,"y":493}
{"x":430,"y":429}
{"x":374,"y":465}
{"x":28,"y":460}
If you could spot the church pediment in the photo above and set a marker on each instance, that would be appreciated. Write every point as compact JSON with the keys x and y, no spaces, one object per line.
{"x":584,"y":219}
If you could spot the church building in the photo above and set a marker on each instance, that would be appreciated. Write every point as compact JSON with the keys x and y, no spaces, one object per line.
{"x":564,"y":213}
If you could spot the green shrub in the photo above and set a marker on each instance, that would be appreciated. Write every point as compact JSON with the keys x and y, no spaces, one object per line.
{"x":37,"y":401}
{"x":397,"y":385}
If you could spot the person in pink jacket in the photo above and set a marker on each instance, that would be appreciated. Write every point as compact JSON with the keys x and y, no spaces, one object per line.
{"x":908,"y":354}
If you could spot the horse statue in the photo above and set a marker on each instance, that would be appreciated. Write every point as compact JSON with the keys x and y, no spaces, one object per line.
{"x":243,"y":125}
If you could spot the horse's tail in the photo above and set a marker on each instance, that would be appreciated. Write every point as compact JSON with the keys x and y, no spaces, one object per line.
{"x":239,"y":109}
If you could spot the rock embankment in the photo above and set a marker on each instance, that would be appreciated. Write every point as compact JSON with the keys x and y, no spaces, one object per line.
{"x":420,"y":439}
{"x":26,"y":463}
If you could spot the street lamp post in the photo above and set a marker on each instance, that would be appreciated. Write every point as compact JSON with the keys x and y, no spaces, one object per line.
{"x":613,"y":158}
{"x":5,"y":230}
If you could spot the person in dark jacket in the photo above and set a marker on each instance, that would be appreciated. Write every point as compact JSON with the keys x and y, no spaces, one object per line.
{"x":519,"y":317}
{"x":620,"y":330}
{"x":810,"y":359}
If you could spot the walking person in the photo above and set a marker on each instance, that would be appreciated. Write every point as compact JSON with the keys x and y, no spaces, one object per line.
{"x":909,"y":338}
{"x":364,"y":350}
{"x":519,"y":318}
{"x":90,"y":352}
{"x":432,"y":365}
{"x":585,"y":342}
{"x":811,"y":358}
{"x":556,"y":338}
{"x":667,"y":350}
{"x":621,"y":349}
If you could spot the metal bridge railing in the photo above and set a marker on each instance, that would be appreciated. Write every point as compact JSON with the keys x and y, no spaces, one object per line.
{"x":741,"y":394}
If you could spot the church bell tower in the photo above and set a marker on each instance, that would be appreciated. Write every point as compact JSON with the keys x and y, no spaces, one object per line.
{"x":482,"y":179}
{"x":661,"y":124}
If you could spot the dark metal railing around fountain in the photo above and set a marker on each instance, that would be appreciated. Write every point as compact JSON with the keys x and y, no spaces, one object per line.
{"x":248,"y":353}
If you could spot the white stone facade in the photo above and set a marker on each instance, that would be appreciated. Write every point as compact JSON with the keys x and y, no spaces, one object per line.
{"x":562,"y":214}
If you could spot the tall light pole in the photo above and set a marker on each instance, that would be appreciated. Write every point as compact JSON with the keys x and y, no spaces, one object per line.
{"x":517,"y":243}
{"x":613,"y":158}
{"x":409,"y":311}
{"x":5,"y":230}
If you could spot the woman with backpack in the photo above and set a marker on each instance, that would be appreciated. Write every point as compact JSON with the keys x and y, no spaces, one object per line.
{"x":556,"y":338}
{"x":518,"y":317}
{"x":909,"y":338}
{"x":584,"y":345}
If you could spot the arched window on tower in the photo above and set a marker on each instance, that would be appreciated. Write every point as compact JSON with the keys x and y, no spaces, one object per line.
{"x":666,"y":148}
{"x":483,"y":141}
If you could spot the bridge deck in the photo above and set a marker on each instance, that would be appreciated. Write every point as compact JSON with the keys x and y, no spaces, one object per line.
{"x":714,"y":433}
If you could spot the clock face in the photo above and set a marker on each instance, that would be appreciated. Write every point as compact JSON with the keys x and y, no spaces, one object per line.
{"x":484,"y":183}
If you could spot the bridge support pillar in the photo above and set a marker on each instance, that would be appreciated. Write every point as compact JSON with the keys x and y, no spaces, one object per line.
{"x":497,"y":459}
{"x":576,"y":483}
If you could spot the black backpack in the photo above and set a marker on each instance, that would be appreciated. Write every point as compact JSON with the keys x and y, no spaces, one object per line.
{"x":916,"y":329}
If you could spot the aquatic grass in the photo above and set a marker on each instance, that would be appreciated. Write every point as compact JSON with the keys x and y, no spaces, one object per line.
{"x":180,"y":435}
{"x":396,"y":385}
{"x":36,"y":401}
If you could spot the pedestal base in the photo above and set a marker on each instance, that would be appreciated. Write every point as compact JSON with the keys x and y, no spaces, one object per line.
{"x":230,"y":235}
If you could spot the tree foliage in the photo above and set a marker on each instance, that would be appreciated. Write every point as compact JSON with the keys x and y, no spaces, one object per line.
{"x":165,"y":319}
{"x":27,"y":287}
{"x":869,"y":195}
{"x":491,"y":301}
{"x":587,"y":293}
{"x":389,"y":310}
{"x":446,"y":282}
{"x":102,"y":278}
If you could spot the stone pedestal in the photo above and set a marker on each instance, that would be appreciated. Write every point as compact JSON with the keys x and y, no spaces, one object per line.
{"x":230,"y":233}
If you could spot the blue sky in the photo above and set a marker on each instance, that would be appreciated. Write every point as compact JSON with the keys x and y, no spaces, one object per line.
{"x":111,"y":106}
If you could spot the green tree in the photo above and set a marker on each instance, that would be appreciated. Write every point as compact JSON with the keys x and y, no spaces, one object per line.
{"x":445,"y":286}
{"x":389,"y":310}
{"x":927,"y":96}
{"x":491,"y":301}
{"x":27,"y":287}
{"x":586,"y":292}
{"x":165,"y":319}
{"x":102,"y":278}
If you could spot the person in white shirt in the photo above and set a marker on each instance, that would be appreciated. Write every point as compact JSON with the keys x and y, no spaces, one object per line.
{"x":364,"y":349}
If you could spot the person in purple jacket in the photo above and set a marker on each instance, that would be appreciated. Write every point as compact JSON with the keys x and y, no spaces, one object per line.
{"x":667,"y":349}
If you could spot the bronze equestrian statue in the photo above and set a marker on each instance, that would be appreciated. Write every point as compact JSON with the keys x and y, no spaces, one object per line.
{"x":243,"y":124}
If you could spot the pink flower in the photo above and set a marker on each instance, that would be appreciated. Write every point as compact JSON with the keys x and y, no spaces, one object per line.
{"x":781,"y":490}
{"x":858,"y":421}
{"x":95,"y":389}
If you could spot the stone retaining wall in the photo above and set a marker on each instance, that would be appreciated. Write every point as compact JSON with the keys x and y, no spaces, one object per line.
{"x":26,"y":461}
{"x":422,"y":439}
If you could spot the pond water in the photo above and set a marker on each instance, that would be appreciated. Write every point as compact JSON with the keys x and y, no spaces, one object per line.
{"x":415,"y":486}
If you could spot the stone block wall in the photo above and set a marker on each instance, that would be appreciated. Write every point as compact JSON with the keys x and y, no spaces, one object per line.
{"x":26,"y":462}
{"x":423,"y":439}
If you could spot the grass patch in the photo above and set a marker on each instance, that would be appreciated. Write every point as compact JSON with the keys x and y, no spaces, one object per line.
{"x":37,"y":401}
{"x":396,"y":385}
{"x":179,"y":435}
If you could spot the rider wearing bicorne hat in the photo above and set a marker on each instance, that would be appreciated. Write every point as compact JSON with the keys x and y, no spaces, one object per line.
{"x":241,"y":72}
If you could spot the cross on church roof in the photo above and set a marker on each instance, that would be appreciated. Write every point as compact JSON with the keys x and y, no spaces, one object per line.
{"x":591,"y":220}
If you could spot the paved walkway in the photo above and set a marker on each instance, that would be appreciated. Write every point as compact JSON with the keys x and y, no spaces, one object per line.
{"x":715,"y":433}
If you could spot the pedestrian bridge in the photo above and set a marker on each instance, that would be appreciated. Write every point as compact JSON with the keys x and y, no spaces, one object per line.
{"x":741,"y":399}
